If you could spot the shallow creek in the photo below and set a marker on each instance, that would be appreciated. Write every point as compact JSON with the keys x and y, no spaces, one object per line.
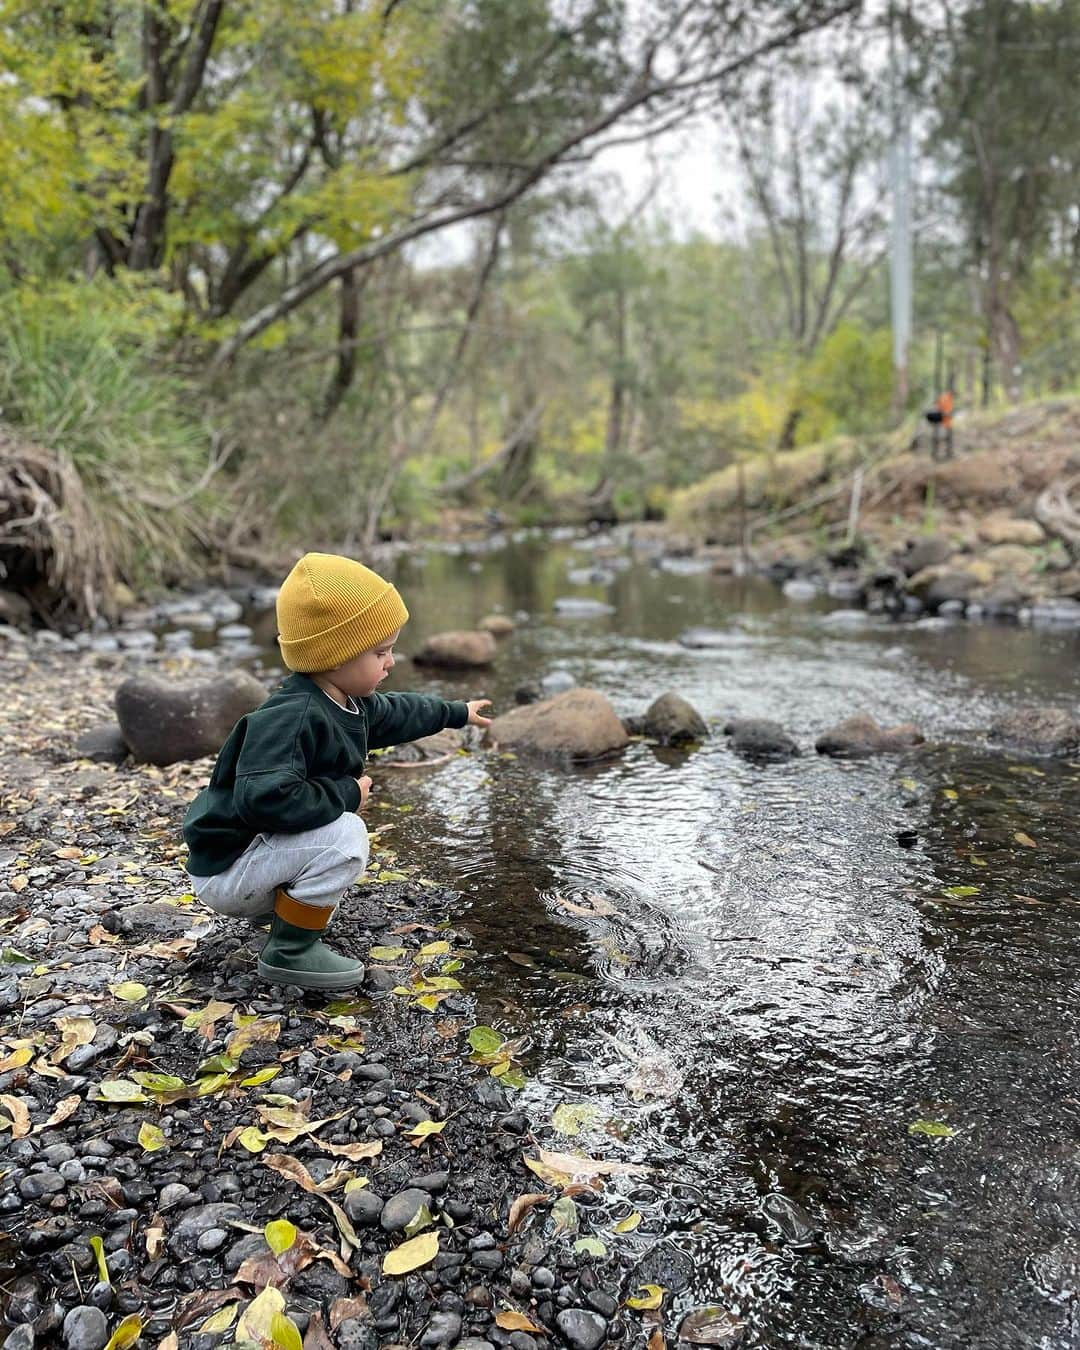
{"x":786,"y":987}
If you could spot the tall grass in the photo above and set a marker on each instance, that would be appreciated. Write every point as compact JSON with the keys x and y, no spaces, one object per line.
{"x":80,"y":373}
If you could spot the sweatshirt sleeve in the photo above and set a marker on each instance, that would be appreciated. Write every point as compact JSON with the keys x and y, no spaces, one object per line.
{"x":276,"y":801}
{"x":394,"y":718}
{"x":273,"y":793}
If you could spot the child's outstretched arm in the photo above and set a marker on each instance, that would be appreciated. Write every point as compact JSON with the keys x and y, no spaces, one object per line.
{"x":395,"y":718}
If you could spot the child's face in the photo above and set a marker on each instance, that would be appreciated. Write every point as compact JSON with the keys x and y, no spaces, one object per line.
{"x":364,"y":673}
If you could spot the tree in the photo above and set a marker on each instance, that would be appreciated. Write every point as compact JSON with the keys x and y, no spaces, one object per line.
{"x":263,"y":153}
{"x":1006,"y":135}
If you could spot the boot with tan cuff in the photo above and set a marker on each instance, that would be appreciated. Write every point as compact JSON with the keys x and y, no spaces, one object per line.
{"x":294,"y":953}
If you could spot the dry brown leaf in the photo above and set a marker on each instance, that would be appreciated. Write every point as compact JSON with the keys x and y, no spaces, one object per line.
{"x":344,"y":1308}
{"x":315,"y":1338}
{"x":510,"y":1320}
{"x":155,"y":1237}
{"x":97,"y":935}
{"x":200,"y":1305}
{"x":66,"y":1106}
{"x":262,"y":1029}
{"x":170,"y":1342}
{"x":590,"y":1167}
{"x":354,"y":1152}
{"x":297,"y":1172}
{"x":523,"y":1205}
{"x":20,"y":1115}
{"x":597,"y":908}
{"x":44,"y":1069}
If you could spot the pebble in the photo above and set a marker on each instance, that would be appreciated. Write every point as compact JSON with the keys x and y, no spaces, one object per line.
{"x":435,"y":1182}
{"x":583,"y":1330}
{"x":363,"y":1206}
{"x":20,"y":1338}
{"x":173,"y":1194}
{"x":85,"y":1328}
{"x":487,"y":1260}
{"x":443,"y":1329}
{"x":402,"y":1208}
{"x":212,"y":1240}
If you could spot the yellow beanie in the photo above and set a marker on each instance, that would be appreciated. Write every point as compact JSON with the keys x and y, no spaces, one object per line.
{"x":330,"y":609}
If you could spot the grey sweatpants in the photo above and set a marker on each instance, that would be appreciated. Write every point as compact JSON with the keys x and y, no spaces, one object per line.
{"x":314,"y":867}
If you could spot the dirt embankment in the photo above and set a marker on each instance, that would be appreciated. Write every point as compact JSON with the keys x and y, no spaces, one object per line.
{"x":1001,"y":462}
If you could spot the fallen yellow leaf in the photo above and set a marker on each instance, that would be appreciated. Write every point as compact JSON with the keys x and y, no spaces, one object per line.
{"x":411,"y":1255}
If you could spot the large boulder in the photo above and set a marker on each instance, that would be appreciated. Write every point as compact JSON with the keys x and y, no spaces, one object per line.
{"x":462,"y":649}
{"x":1008,"y":530}
{"x":935,"y":586}
{"x":930,"y":551}
{"x":1011,"y":560}
{"x":670,"y":720}
{"x":760,"y":741}
{"x":1038,"y":730}
{"x":163,"y":723}
{"x":859,"y":737}
{"x":580,"y":724}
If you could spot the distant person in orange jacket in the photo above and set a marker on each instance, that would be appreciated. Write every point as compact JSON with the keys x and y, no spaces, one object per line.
{"x":940,"y":418}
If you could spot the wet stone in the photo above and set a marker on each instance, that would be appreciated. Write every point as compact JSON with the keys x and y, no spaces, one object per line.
{"x":357,"y":1334}
{"x":363,"y":1206}
{"x":443,"y":1329}
{"x":434,"y":1182}
{"x":582,"y":1329}
{"x":201,"y":1220}
{"x":212,"y":1240}
{"x":85,"y":1328}
{"x":487,"y":1260}
{"x":402,"y":1208}
{"x":20,"y":1338}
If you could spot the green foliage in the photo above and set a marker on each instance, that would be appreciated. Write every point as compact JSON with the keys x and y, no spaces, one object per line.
{"x":77,"y":375}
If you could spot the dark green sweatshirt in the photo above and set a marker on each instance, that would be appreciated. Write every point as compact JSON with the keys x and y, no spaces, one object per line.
{"x":292,"y":765}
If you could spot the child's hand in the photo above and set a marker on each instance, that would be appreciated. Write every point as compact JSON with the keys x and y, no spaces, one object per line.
{"x":364,"y":784}
{"x":476,"y":719}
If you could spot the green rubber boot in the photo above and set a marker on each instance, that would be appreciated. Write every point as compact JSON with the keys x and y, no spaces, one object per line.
{"x":295,"y":954}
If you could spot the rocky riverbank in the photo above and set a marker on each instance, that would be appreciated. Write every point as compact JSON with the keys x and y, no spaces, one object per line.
{"x":201,"y":1160}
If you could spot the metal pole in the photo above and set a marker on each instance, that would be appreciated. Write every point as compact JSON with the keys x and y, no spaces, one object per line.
{"x":900,"y":260}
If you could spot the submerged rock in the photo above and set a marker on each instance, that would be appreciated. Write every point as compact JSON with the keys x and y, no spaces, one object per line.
{"x":710,"y":1326}
{"x":697,"y":638}
{"x":1037,"y":731}
{"x":427,"y":750}
{"x":670,"y":719}
{"x":760,"y":741}
{"x":576,"y":607}
{"x":580,"y":724}
{"x":460,"y":649}
{"x":859,"y":737}
{"x":936,"y":585}
{"x":164,"y":723}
